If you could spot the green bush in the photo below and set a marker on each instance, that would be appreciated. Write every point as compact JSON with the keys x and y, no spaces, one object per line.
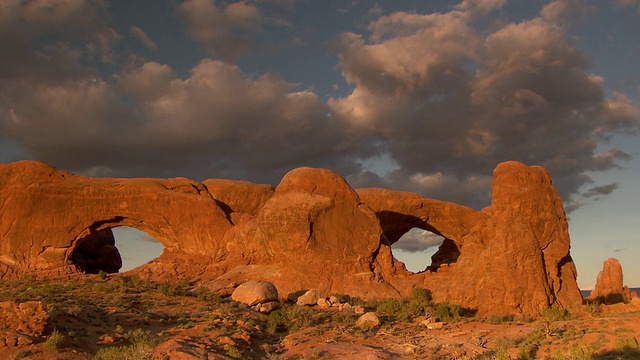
{"x":555,"y":313}
{"x":292,"y":318}
{"x":421,"y":296}
{"x":448,"y":312}
{"x":54,"y":341}
{"x":627,"y":344}
{"x":389,"y":307}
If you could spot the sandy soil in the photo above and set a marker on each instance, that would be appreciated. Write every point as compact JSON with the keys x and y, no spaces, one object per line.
{"x":121,"y":316}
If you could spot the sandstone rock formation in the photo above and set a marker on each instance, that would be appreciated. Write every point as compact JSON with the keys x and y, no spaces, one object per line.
{"x":97,"y":252}
{"x":19,"y":323}
{"x":47,"y":212}
{"x":312,"y":231}
{"x":513,"y":255}
{"x":610,"y":287}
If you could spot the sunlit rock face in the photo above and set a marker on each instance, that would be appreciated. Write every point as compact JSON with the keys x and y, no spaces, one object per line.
{"x":610,"y":288}
{"x":513,"y":255}
{"x":313,"y":231}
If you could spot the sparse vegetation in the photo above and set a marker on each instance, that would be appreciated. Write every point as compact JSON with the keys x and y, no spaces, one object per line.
{"x":54,"y":341}
{"x":123,"y":314}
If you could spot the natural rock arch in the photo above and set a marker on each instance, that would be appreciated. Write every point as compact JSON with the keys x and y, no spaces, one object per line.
{"x":46,"y":211}
{"x":312,"y":231}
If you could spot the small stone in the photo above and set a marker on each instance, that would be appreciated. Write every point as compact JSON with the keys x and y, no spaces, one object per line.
{"x":358,"y":310}
{"x":11,"y":341}
{"x":310,"y":297}
{"x":334,"y":300}
{"x":369,"y":319}
{"x":107,"y":339}
{"x":269,"y":307}
{"x":24,"y":341}
{"x":346,"y":307}
{"x":435,"y":325}
{"x":225,"y":340}
{"x":324,"y":303}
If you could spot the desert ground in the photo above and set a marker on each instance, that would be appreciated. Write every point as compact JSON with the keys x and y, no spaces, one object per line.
{"x":120,"y":316}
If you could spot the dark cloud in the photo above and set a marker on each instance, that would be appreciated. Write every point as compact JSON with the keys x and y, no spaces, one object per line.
{"x":225,"y":30}
{"x":441,"y":100}
{"x":601,"y":190}
{"x":448,"y":102}
{"x":142,"y":36}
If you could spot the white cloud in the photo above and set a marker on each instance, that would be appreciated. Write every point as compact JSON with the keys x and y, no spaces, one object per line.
{"x":417,"y":240}
{"x":448,"y":102}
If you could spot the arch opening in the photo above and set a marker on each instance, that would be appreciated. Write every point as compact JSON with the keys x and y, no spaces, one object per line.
{"x":136,"y":246}
{"x":114,"y":250}
{"x":422,"y":250}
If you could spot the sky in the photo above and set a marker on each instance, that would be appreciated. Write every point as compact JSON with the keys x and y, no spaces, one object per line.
{"x":422,"y":96}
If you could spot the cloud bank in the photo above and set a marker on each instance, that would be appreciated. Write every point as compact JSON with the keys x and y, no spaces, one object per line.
{"x":440,"y":98}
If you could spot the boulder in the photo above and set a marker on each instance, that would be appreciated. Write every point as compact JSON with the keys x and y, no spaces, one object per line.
{"x":324,"y":303}
{"x":609,"y":287}
{"x":368,"y":320}
{"x":28,"y":318}
{"x":255,"y":292}
{"x":310,"y":297}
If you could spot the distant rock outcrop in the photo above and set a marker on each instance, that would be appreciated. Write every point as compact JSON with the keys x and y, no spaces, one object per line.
{"x":312,"y":232}
{"x":610,"y":287}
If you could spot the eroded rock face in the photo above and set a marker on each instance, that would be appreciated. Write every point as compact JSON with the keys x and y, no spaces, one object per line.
{"x":513,"y":255}
{"x":46,"y":212}
{"x":312,"y":232}
{"x":610,"y":287}
{"x":28,"y":318}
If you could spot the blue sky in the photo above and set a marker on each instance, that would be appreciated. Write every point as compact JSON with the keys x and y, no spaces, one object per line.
{"x":423,"y":96}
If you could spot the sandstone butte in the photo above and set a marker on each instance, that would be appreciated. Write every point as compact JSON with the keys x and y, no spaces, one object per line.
{"x":313,"y":231}
{"x":609,"y":287}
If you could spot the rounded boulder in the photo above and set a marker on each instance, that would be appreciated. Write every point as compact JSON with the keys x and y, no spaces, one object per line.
{"x":255,"y":292}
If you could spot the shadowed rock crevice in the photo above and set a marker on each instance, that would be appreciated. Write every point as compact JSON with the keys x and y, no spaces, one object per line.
{"x":96,"y":252}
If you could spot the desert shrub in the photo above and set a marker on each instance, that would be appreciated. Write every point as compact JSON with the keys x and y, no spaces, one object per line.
{"x":410,"y":311}
{"x":292,"y":318}
{"x":133,"y":352}
{"x":627,"y":344}
{"x":54,"y":341}
{"x":555,"y":313}
{"x":170,"y":289}
{"x":102,"y":275}
{"x":503,"y":343}
{"x":204,"y":294}
{"x":343,"y":317}
{"x":448,"y":312}
{"x":389,"y":307}
{"x":579,"y":351}
{"x":592,"y":308}
{"x":499,"y":354}
{"x":421,"y":296}
{"x":233,"y":351}
{"x":142,"y":344}
{"x":139,"y":336}
{"x":526,"y":354}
